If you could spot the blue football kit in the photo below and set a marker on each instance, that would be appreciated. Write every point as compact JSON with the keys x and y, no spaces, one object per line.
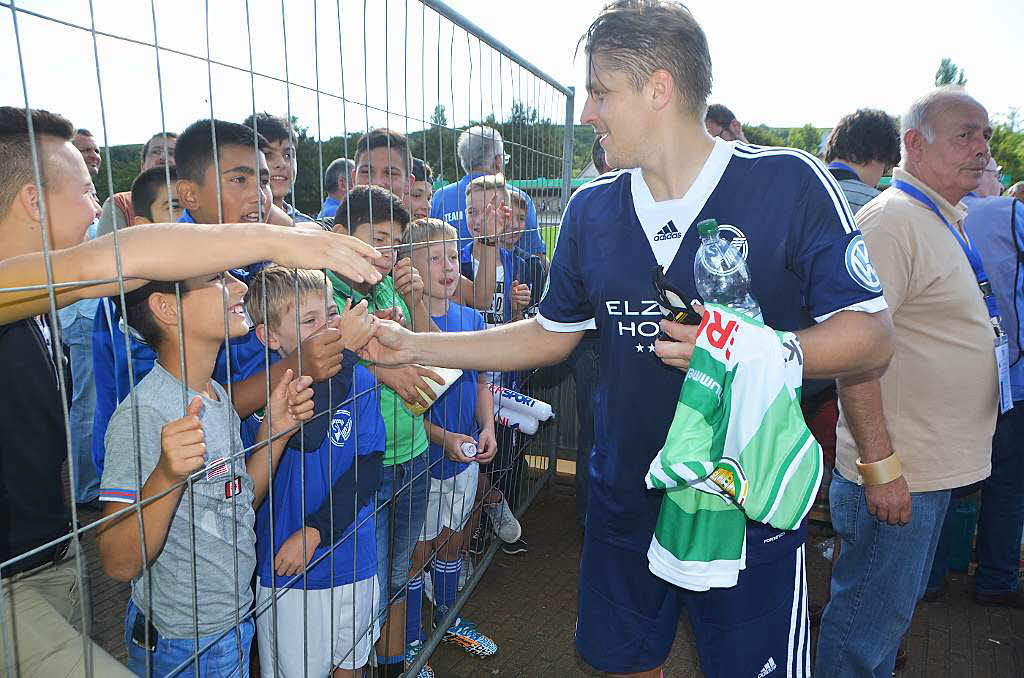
{"x":328,"y":449}
{"x":788,"y":218}
{"x":455,"y":410}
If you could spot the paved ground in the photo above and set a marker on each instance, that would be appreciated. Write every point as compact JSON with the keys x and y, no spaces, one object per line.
{"x":527,"y":603}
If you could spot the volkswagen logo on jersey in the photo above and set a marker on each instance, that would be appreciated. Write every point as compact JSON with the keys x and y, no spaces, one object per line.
{"x":858,"y":265}
{"x":341,"y":427}
{"x":667,"y":232}
{"x":735,"y":236}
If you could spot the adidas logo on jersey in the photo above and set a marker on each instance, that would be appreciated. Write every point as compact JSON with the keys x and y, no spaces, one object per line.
{"x":668,"y":232}
{"x":769,"y":667}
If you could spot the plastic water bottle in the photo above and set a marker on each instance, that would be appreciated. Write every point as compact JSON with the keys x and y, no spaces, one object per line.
{"x":721,"y":273}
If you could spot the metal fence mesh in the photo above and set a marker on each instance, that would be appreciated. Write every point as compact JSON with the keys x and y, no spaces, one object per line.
{"x":335,"y":70}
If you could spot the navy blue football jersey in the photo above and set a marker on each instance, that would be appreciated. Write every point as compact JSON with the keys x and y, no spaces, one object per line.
{"x":807,"y":260}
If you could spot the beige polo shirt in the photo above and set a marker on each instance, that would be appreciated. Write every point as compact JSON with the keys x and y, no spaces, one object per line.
{"x":939,"y":395}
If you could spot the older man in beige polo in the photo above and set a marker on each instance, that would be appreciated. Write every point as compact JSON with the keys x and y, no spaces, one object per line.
{"x":906,"y":437}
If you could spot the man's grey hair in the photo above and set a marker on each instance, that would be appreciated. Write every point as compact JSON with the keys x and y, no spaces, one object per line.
{"x":342,"y":167}
{"x":921,"y":114}
{"x":477,"y":147}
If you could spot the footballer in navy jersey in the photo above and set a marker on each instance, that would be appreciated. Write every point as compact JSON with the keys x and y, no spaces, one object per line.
{"x":807,"y":261}
{"x":648,"y":80}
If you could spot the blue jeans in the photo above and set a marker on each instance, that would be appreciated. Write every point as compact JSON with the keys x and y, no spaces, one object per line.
{"x":76,"y":323}
{"x":584,"y":362}
{"x":877,"y":580}
{"x":218,"y":654}
{"x":401,"y":510}
{"x":1001,"y":517}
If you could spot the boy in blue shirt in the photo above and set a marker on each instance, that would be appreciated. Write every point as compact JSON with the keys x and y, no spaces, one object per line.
{"x":315,"y":545}
{"x":461,"y":416}
{"x":488,"y":221}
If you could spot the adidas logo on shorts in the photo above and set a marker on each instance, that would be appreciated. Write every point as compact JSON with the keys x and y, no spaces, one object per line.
{"x":769,"y":667}
{"x":668,"y":232}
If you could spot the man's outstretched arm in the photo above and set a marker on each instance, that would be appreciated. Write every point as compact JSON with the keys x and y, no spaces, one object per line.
{"x":517,"y":346}
{"x":848,"y":343}
{"x":173,"y":252}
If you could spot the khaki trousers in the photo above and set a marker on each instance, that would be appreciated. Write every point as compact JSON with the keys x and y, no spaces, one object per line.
{"x":41,"y":622}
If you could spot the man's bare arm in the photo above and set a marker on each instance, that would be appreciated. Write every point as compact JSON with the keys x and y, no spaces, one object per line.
{"x":172,"y":252}
{"x":861,"y":398}
{"x":517,"y":346}
{"x":848,"y":343}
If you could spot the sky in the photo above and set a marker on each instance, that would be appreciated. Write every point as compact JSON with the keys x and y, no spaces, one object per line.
{"x":783,"y":63}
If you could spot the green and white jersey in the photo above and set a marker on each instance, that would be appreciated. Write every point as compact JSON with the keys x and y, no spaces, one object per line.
{"x":737,"y":448}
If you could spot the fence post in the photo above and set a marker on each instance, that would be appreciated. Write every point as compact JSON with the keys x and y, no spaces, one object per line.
{"x":567,"y":144}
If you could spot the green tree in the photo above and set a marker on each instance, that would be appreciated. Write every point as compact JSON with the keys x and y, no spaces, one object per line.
{"x":1007,"y":148}
{"x":762,"y":135}
{"x":949,"y":74}
{"x":807,"y":138}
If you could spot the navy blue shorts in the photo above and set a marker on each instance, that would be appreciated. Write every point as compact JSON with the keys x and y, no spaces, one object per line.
{"x":628,"y":617}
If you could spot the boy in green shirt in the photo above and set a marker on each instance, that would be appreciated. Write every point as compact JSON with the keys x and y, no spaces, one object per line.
{"x":375,"y":215}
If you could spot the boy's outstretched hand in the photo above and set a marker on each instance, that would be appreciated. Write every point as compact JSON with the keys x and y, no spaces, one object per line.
{"x":290,"y":560}
{"x":344,"y":254}
{"x":408,"y":282}
{"x":182,"y":444}
{"x":357,"y":325}
{"x":291,"y":402}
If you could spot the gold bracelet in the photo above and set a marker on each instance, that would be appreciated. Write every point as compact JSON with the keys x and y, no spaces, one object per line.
{"x":880,"y":472}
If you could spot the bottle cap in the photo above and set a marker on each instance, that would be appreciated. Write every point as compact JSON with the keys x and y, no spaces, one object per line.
{"x":707,"y":227}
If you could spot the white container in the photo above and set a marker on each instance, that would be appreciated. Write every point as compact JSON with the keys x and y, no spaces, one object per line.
{"x":516,"y":419}
{"x":450,"y":376}
{"x":468,"y":449}
{"x":507,"y":399}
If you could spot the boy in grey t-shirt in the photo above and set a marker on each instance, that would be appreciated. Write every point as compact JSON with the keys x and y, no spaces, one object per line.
{"x":203,"y":590}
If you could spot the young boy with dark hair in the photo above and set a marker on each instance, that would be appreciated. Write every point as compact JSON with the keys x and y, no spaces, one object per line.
{"x":324,"y":485}
{"x":376,"y":216}
{"x":463,"y":415}
{"x":151,"y":202}
{"x":242,"y":188}
{"x":282,"y":158}
{"x":153,"y":453}
{"x":422,"y":189}
{"x":40,"y":584}
{"x":383,"y":159}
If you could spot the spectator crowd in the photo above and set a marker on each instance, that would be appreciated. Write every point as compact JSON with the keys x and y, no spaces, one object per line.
{"x":290,"y":424}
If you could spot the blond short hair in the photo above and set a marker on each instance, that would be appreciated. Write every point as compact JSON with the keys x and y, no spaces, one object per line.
{"x":279,"y":284}
{"x":489,"y":182}
{"x":424,"y":232}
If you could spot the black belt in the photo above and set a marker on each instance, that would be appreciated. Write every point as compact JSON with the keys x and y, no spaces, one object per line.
{"x":50,"y":556}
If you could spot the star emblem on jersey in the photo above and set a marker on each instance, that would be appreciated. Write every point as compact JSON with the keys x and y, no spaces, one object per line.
{"x":667,"y":232}
{"x":858,"y":265}
{"x":641,"y":347}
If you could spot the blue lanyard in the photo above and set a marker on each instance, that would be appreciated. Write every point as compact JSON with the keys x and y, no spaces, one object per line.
{"x":965,"y":245}
{"x":835,"y":164}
